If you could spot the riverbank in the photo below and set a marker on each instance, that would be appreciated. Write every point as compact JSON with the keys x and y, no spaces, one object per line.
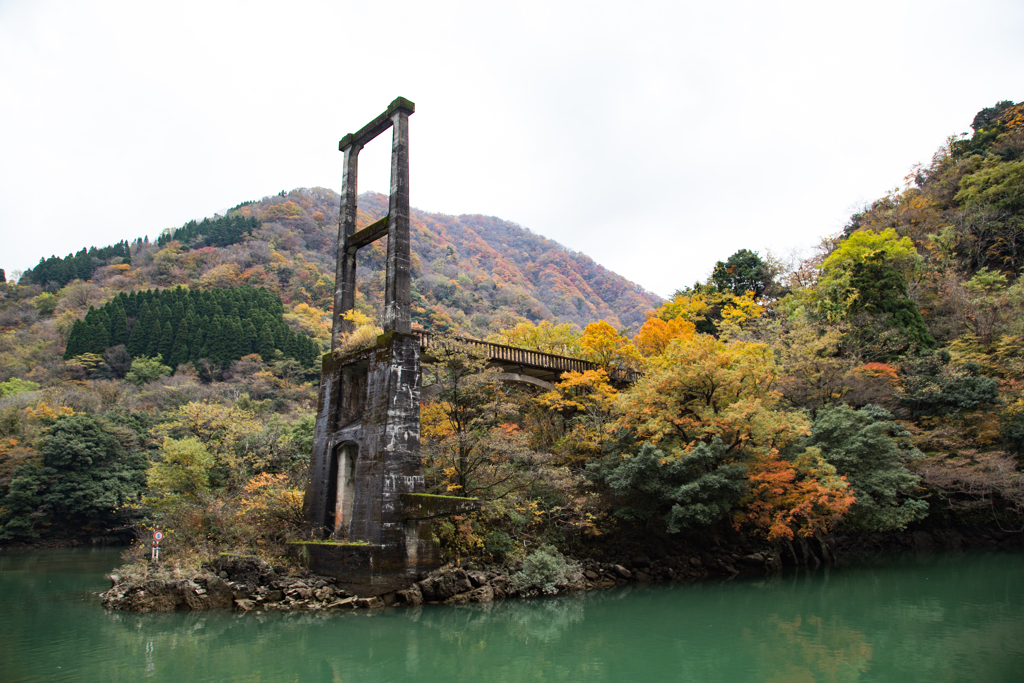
{"x":248,"y":584}
{"x":953,"y":539}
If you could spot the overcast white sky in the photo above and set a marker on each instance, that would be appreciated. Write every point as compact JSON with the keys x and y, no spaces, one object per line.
{"x":656,"y":137}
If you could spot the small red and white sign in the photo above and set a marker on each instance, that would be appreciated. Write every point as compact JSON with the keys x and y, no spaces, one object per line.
{"x":157,"y":536}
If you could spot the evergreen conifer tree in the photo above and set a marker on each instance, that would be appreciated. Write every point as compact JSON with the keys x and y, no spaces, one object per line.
{"x":166,"y":343}
{"x":76,"y":340}
{"x":177,"y":314}
{"x":250,"y":338}
{"x":152,"y":339}
{"x":103,"y":318}
{"x":119,"y":333}
{"x":98,"y":337}
{"x":195,"y":343}
{"x":136,"y":345}
{"x":82,"y":265}
{"x":179,"y":351}
{"x":216,"y":342}
{"x":131,"y":306}
{"x":236,"y":340}
{"x":266,"y":343}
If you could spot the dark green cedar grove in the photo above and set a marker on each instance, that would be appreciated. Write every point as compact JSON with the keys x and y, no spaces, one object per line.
{"x":59,"y":271}
{"x":185,"y":325}
{"x":220,"y":232}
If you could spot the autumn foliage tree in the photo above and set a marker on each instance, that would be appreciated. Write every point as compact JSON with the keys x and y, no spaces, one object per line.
{"x":603,"y":345}
{"x":586,"y":401}
{"x":559,"y":339}
{"x":471,"y":440}
{"x":712,"y":311}
{"x":802,"y":497}
{"x":656,"y":334}
{"x":713,"y":434}
{"x":702,"y":388}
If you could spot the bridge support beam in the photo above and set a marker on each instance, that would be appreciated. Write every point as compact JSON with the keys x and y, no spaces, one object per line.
{"x":398,"y":280}
{"x":345,"y":269}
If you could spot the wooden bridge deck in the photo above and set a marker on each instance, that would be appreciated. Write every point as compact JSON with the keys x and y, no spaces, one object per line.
{"x":543,"y":366}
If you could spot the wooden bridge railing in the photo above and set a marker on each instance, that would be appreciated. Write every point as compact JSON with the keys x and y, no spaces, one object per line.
{"x":527,"y":358}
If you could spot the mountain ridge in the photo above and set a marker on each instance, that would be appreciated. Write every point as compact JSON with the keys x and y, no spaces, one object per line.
{"x":464,"y":266}
{"x":472,"y":274}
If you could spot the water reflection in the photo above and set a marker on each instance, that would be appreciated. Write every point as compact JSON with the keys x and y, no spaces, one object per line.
{"x":809,"y":649}
{"x":949,"y":619}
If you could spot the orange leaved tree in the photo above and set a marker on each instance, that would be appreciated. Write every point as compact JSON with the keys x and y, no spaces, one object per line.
{"x":802,"y":497}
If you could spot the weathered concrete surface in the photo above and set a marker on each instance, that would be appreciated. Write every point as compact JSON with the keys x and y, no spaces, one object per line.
{"x":389,"y":458}
{"x":345,"y":268}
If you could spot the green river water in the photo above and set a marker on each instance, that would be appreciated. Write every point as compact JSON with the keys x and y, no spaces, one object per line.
{"x":944,"y":618}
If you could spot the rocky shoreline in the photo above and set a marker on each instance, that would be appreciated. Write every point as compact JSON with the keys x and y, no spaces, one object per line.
{"x":248,"y":584}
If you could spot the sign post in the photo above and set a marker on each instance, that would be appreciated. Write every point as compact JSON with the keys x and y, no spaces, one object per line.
{"x":157,"y":537}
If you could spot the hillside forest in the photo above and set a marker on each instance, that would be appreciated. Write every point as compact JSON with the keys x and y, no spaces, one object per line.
{"x":876,"y":386}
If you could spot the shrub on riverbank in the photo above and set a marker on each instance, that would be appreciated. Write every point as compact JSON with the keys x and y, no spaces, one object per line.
{"x":544,"y":570}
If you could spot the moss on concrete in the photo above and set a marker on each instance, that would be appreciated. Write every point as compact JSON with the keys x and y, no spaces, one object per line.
{"x":428,"y":506}
{"x":331,"y":543}
{"x":434,"y":495}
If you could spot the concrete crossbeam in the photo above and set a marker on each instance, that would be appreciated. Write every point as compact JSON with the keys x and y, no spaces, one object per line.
{"x":368,"y":235}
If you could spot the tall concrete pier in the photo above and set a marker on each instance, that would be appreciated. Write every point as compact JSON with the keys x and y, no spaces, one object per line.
{"x":365,"y":498}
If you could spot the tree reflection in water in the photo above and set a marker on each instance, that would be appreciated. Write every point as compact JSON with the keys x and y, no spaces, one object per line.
{"x":952,"y":618}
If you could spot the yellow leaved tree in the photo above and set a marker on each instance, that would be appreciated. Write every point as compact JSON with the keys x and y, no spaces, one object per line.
{"x":586,"y":400}
{"x":712,"y":437}
{"x":656,"y":334}
{"x":561,"y":340}
{"x":710,"y":311}
{"x":604,"y":346}
{"x":702,"y":388}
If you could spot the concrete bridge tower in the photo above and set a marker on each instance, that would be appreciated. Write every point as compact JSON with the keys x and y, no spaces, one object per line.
{"x":365,"y":499}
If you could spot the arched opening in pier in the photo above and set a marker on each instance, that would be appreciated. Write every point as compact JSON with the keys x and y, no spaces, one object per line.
{"x":341,"y":489}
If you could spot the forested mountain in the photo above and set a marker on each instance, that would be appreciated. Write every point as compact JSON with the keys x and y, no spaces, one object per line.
{"x":475,"y":274}
{"x":875,"y":386}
